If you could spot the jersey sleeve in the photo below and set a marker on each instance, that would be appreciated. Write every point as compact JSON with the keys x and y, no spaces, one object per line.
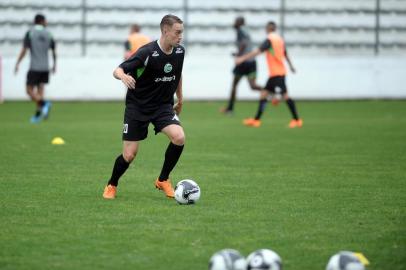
{"x":265,"y":45}
{"x":135,"y":61}
{"x":26,"y":40}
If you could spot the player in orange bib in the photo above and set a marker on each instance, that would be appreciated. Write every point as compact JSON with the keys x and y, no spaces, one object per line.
{"x":276,"y":54}
{"x":135,"y":41}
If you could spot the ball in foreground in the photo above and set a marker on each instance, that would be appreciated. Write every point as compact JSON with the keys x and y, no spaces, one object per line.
{"x":227,"y":259}
{"x":347,"y":260}
{"x":264,"y":259}
{"x":187,"y":192}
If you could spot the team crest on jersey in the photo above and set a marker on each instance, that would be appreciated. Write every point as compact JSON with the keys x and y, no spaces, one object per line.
{"x":179,"y":50}
{"x":125,"y":129}
{"x":155,"y":54}
{"x":167,"y":68}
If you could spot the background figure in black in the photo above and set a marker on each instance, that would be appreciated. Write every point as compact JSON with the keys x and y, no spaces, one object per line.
{"x":247,"y":68}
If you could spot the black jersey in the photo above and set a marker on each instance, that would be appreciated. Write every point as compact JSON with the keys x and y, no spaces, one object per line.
{"x":157,"y":77}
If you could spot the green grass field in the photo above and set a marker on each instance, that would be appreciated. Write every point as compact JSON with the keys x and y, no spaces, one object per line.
{"x":339,"y":183}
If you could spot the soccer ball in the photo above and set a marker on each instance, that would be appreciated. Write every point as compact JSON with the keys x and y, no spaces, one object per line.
{"x":187,"y":192}
{"x":346,"y":260}
{"x":227,"y":259}
{"x":264,"y":259}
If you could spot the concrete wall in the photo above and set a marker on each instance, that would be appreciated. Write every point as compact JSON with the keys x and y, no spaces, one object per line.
{"x":208,"y":76}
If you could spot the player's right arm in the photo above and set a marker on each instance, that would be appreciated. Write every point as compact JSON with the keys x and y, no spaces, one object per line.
{"x":127,"y":79}
{"x":124,"y":70}
{"x":292,"y":68}
{"x":26,"y":45}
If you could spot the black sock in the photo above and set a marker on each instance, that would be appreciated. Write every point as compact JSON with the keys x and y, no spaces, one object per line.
{"x":120,"y":166}
{"x":37,"y":113}
{"x":230,"y":106}
{"x":41,"y":103}
{"x":172,"y":155}
{"x":261,"y":108}
{"x":292,"y":108}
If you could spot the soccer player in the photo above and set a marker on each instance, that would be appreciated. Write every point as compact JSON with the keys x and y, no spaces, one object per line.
{"x":247,"y":68}
{"x":152,"y":75}
{"x":38,"y":40}
{"x":135,"y":41}
{"x":276,"y":54}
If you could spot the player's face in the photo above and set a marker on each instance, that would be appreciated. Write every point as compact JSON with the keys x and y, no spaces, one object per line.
{"x":174,"y":34}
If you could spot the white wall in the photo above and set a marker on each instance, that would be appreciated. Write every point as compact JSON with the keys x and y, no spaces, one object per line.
{"x":208,"y":76}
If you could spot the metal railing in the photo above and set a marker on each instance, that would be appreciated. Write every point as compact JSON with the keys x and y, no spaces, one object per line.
{"x":84,"y":9}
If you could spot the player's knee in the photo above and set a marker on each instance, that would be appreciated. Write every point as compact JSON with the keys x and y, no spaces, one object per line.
{"x":178,"y":138}
{"x":254,"y":86}
{"x":129,"y":156}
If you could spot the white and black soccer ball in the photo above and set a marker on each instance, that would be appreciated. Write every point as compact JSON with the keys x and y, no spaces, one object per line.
{"x":264,"y":259}
{"x":227,"y":259}
{"x":345,"y":260}
{"x":187,"y":192}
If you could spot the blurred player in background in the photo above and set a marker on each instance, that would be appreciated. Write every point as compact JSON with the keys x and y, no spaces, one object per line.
{"x":276,"y":54}
{"x":135,"y":41}
{"x":152,"y":75}
{"x":247,"y":68}
{"x":38,"y":40}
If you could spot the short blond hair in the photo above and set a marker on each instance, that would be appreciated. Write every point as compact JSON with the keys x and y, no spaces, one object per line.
{"x":169,"y":20}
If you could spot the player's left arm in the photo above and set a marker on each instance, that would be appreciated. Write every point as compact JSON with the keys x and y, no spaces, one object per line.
{"x":179,"y":95}
{"x":53,"y":48}
{"x":292,"y":68}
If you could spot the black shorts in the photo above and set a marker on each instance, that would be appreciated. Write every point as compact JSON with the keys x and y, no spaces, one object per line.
{"x":37,"y":77}
{"x":274,"y":83}
{"x":248,"y":68}
{"x":136,"y":130}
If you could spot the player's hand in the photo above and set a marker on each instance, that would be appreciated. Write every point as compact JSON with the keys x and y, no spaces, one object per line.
{"x":54,"y":69}
{"x":178,"y":107}
{"x":238,"y":60}
{"x":128,"y":81}
{"x":293,"y":69}
{"x":16,"y":69}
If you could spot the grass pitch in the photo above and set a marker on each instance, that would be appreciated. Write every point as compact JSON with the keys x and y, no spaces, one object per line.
{"x":339,"y":183}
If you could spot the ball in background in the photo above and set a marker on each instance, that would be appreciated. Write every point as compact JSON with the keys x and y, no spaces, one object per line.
{"x":347,"y":260}
{"x":227,"y":259}
{"x":264,"y":259}
{"x":187,"y":192}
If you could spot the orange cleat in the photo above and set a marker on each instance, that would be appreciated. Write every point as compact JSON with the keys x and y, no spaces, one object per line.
{"x":251,"y":122}
{"x":166,"y":187}
{"x":299,"y":123}
{"x":110,"y":192}
{"x":295,"y":123}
